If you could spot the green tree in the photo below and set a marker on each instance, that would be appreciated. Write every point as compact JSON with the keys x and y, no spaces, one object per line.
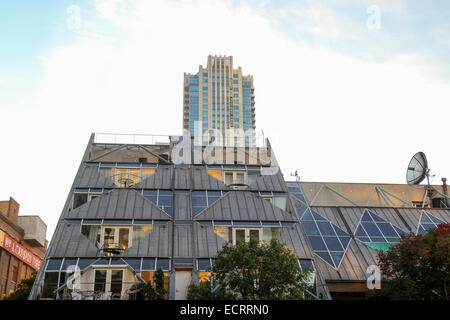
{"x":253,"y":271}
{"x":418,"y":267}
{"x":23,"y":289}
{"x":155,"y":291}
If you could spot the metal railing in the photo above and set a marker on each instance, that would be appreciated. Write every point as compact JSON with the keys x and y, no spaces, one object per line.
{"x":124,"y":138}
{"x":114,"y":290}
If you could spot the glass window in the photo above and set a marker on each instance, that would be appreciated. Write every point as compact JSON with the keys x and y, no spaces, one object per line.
{"x":223,"y":232}
{"x":79,"y":199}
{"x":100,"y":280}
{"x":310,"y":228}
{"x":271,"y":233}
{"x":108,"y":237}
{"x":141,"y":231}
{"x":123,"y":237}
{"x":50,"y":284}
{"x":240,"y":236}
{"x":372,"y":229}
{"x":116,"y":281}
{"x":333,"y":243}
{"x":325,"y":228}
{"x":228,"y":178}
{"x":387,"y":229}
{"x":92,"y":233}
{"x":280,"y":202}
{"x":317,"y":243}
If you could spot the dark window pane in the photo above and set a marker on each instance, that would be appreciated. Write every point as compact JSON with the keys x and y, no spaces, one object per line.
{"x":317,"y":243}
{"x":150,"y":193}
{"x":428,"y":226}
{"x":318,"y":217}
{"x":300,"y":211}
{"x":148,"y":264}
{"x":377,"y":239}
{"x":325,"y":228}
{"x":371,"y":229}
{"x":425,"y":218}
{"x":376,"y":218}
{"x":326,"y":256}
{"x":436,"y":220}
{"x":399,"y":231}
{"x":165,"y":201}
{"x":163,"y":264}
{"x":387,"y":229}
{"x":69,"y":262}
{"x":54,"y":264}
{"x":100,"y":280}
{"x":337,"y":257}
{"x":199,"y":201}
{"x":135,"y":263}
{"x":84,"y":262}
{"x":197,"y":210}
{"x":306,"y":264}
{"x":366,"y":217}
{"x":307,"y":216}
{"x":79,"y":199}
{"x":211,"y":200}
{"x":151,"y":198}
{"x":198,"y":194}
{"x":360,"y":232}
{"x":203,"y":264}
{"x":50,"y":284}
{"x":344,"y":241}
{"x":340,"y":232}
{"x":333,"y":243}
{"x":421,"y":231}
{"x":310,"y":228}
{"x":116,"y":281}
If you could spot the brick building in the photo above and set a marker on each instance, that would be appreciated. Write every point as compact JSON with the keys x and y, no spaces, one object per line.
{"x":22,"y":245}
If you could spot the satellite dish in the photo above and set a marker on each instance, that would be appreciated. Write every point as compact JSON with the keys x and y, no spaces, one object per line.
{"x":417,"y":169}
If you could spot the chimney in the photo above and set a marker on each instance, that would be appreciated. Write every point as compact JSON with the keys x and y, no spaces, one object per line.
{"x":444,"y":187}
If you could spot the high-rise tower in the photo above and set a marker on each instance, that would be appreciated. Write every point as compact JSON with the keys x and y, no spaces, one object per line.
{"x":221,"y":98}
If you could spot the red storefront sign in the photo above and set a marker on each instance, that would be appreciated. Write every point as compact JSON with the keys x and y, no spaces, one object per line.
{"x":10,"y":245}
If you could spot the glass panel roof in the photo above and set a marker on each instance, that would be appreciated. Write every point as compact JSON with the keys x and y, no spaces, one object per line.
{"x":427,"y":222}
{"x":373,"y":228}
{"x":328,"y":241}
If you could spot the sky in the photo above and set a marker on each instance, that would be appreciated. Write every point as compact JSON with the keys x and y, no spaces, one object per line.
{"x":346,"y":91}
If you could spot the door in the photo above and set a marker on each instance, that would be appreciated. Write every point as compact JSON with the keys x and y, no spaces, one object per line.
{"x":109,"y":281}
{"x":246,"y":235}
{"x":116,"y":237}
{"x":182,"y":281}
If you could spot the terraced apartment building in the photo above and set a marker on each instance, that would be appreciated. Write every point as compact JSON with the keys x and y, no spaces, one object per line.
{"x":135,"y":207}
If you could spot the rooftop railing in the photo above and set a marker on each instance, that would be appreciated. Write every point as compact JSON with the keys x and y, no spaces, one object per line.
{"x":124,"y":138}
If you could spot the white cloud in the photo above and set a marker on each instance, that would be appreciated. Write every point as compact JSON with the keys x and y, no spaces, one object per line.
{"x":332,"y":117}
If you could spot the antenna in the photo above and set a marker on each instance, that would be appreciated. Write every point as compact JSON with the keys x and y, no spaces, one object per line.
{"x":297,"y":177}
{"x":418,"y":169}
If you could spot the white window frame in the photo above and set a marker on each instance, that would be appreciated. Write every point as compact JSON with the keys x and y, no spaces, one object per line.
{"x":116,"y":235}
{"x":247,"y":234}
{"x":235,"y":175}
{"x":107,"y":292}
{"x":92,"y":196}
